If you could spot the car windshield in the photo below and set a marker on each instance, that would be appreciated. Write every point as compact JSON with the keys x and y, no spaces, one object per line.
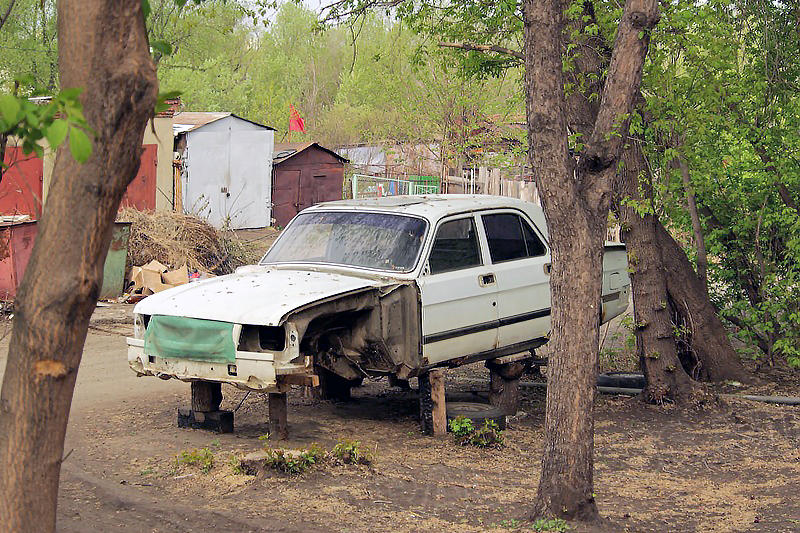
{"x":371,"y":240}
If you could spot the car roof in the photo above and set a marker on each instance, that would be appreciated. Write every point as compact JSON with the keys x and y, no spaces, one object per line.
{"x":431,"y":206}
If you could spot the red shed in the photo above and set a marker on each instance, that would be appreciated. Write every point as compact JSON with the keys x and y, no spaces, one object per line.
{"x":304,"y":174}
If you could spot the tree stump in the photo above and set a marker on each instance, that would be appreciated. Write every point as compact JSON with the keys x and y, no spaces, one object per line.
{"x":432,"y":406}
{"x":205,"y":412}
{"x":206,"y":396}
{"x":278,"y":414}
{"x":504,"y":385}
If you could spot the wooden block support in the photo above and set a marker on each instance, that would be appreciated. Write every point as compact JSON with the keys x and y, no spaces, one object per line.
{"x":504,"y":393}
{"x":206,"y":396}
{"x":221,"y":421}
{"x":278,"y":414}
{"x":432,"y":406}
{"x":504,"y":385}
{"x":436,"y":378}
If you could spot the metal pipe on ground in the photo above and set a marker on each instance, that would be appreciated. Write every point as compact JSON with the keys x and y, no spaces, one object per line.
{"x":781,"y":400}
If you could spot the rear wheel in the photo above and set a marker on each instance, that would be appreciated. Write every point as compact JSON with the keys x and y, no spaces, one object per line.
{"x":624,"y":380}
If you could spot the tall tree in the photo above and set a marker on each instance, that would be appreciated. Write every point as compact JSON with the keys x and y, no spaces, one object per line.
{"x":103,"y":48}
{"x":576,"y":198}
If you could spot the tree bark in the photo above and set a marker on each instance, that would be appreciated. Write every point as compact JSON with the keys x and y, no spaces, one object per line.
{"x":102,"y":48}
{"x":667,"y":381}
{"x":575,"y":199}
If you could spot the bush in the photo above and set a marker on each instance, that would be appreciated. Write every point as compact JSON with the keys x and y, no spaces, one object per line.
{"x":465,"y":433}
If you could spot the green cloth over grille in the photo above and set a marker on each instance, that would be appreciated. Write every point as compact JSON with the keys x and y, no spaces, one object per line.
{"x":190,"y":338}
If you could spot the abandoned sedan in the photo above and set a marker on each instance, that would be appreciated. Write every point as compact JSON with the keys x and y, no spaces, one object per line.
{"x":392,"y":286}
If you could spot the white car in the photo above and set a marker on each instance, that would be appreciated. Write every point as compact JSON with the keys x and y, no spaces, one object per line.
{"x":362,"y":288}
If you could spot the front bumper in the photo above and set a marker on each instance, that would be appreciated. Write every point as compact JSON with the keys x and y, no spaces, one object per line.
{"x":254,"y":371}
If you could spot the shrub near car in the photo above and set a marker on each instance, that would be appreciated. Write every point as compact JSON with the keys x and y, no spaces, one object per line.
{"x":364,"y":288}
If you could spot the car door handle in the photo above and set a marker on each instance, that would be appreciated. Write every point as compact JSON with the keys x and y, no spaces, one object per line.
{"x":547,"y":269}
{"x":485,"y":279}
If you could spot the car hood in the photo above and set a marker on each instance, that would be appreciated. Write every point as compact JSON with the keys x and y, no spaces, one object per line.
{"x":254,"y":295}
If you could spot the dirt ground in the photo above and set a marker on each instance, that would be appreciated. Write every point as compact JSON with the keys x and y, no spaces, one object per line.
{"x":732,"y":467}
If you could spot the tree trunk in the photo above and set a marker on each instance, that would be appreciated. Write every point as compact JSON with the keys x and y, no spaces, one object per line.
{"x":697,"y":227}
{"x":576,"y":199}
{"x":708,"y":338}
{"x":667,"y":381}
{"x":102,"y":48}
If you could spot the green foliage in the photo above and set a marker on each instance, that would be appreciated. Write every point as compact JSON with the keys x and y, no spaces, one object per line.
{"x":550,"y":524}
{"x":294,"y":461}
{"x":202,"y":458}
{"x":466,"y":434}
{"x":350,"y":452}
{"x":722,"y":85}
{"x":56,"y":120}
{"x":618,"y":350}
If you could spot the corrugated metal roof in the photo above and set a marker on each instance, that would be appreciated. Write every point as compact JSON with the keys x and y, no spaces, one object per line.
{"x":191,"y":120}
{"x":298,"y":147}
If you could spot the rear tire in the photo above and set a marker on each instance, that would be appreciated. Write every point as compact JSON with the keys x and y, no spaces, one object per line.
{"x":623,"y":380}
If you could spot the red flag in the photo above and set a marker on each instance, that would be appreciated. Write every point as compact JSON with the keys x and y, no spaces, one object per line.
{"x":295,"y":120}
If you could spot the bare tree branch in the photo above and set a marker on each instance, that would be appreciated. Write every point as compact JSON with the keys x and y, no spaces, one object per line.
{"x":359,"y":9}
{"x":7,"y":13}
{"x":484,"y":48}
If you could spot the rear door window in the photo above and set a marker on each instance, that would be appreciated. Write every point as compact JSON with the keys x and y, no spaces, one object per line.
{"x":510,"y":237}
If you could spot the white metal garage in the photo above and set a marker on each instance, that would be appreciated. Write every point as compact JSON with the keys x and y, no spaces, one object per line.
{"x":226,"y":174}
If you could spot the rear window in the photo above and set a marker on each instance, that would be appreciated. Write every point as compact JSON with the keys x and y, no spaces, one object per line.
{"x":510,"y":237}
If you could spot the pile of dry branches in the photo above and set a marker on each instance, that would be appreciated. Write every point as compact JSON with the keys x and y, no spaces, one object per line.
{"x":174,"y":239}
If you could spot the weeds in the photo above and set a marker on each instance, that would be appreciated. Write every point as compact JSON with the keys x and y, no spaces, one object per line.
{"x":202,"y":458}
{"x":350,"y":452}
{"x":294,"y":461}
{"x":465,"y":433}
{"x":550,"y":524}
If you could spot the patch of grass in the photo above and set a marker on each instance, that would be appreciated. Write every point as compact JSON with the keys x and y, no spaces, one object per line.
{"x":511,"y":523}
{"x":147,"y":471}
{"x":350,"y":452}
{"x":550,"y":524}
{"x":466,"y":434}
{"x":294,"y":461}
{"x":202,"y":457}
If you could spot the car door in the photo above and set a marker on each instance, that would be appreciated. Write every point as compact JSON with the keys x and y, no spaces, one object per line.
{"x":459,"y":305}
{"x":521,"y":265}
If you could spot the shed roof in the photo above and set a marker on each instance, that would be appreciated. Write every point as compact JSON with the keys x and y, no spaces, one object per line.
{"x":191,"y":120}
{"x":287,"y":150}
